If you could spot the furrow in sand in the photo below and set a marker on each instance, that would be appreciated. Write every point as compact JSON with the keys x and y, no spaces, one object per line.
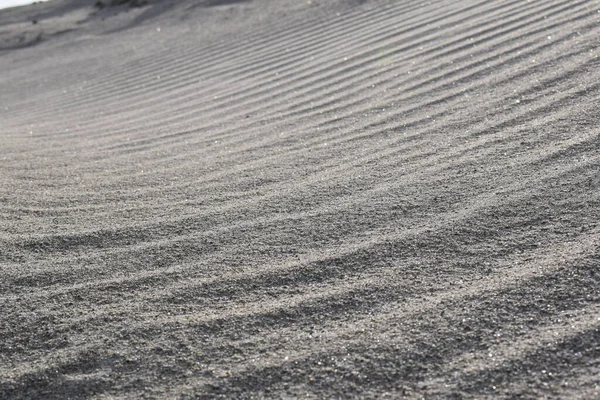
{"x":196,"y":95}
{"x":338,"y":263}
{"x":294,"y":33}
{"x":280,"y":199}
{"x":499,"y":290}
{"x":331,"y":172}
{"x":324,"y":210}
{"x":144,"y":68}
{"x":177,"y":75}
{"x":435,"y":162}
{"x":591,"y":64}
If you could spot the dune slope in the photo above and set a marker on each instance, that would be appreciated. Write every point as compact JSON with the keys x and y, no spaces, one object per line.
{"x":281,"y":199}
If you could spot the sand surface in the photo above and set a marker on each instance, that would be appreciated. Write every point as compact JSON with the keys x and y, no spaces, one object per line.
{"x":300,"y":199}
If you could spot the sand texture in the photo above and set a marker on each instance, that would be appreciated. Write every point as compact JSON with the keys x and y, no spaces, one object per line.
{"x":300,"y":199}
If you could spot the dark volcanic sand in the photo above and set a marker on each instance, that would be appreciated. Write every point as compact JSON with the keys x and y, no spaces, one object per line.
{"x":315,"y":199}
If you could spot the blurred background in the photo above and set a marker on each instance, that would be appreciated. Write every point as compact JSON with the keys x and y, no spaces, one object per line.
{"x":14,"y":3}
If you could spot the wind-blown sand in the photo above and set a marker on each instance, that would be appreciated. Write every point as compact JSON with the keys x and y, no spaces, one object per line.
{"x":282,"y":199}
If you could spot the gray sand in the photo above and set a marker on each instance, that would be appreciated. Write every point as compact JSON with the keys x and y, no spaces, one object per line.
{"x":315,"y":199}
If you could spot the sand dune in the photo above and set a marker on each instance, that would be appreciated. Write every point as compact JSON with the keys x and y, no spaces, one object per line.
{"x":316,"y":199}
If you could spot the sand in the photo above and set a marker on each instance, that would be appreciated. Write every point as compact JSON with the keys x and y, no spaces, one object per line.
{"x":300,"y":199}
